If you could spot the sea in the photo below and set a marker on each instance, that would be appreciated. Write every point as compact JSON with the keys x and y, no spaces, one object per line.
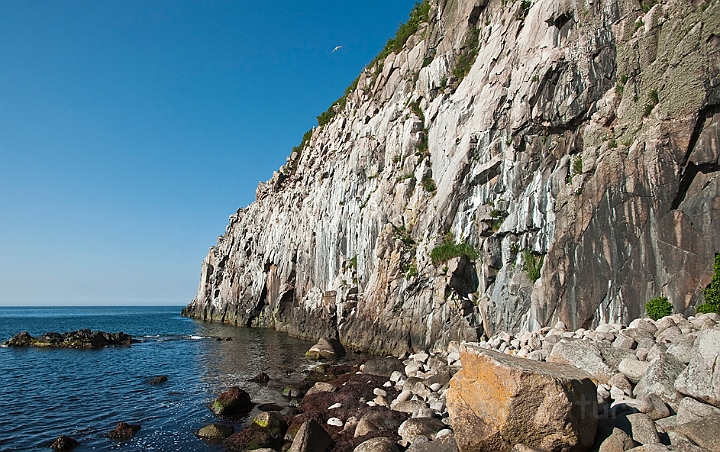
{"x":45,"y":393}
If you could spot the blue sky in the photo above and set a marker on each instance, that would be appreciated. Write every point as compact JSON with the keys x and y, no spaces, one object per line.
{"x":131,"y":130}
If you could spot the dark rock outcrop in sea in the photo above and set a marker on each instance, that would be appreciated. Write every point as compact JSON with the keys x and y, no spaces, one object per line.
{"x":232,"y":402}
{"x":501,"y":167}
{"x":64,"y":444}
{"x":73,"y":339}
{"x":124,"y":431}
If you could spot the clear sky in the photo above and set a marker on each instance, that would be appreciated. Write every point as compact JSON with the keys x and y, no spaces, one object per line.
{"x":131,"y":130}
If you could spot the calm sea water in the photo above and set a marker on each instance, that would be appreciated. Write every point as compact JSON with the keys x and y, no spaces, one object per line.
{"x":85,"y":393}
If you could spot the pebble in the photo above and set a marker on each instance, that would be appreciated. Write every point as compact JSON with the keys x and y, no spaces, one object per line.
{"x":335,"y":421}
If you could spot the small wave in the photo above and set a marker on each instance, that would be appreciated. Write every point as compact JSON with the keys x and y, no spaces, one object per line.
{"x":195,"y":338}
{"x":150,"y":336}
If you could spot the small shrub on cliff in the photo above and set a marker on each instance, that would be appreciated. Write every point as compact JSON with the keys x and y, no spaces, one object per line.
{"x":450,"y":249}
{"x":429,"y":184}
{"x":658,"y":307}
{"x":532,"y":264}
{"x":468,"y":55}
{"x":712,"y":292}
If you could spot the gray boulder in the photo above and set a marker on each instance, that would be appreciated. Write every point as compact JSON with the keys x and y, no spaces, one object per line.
{"x":427,"y":427}
{"x":612,"y":439}
{"x":633,"y":369}
{"x":643,"y":429}
{"x":379,"y":444}
{"x":583,"y":355}
{"x":660,"y":378}
{"x":383,"y":367}
{"x":444,"y":444}
{"x":701,"y":378}
{"x":691,"y":410}
{"x":704,"y":432}
{"x":682,"y":348}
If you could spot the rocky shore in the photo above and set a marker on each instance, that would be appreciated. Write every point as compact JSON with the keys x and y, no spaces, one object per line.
{"x":648,"y":386}
{"x":73,"y":339}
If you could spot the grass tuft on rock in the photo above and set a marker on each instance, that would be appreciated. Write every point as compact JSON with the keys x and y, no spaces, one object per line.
{"x":450,"y":249}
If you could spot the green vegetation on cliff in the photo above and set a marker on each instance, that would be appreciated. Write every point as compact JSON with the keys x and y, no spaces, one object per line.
{"x":450,"y":249}
{"x":712,"y":292}
{"x":418,"y":15}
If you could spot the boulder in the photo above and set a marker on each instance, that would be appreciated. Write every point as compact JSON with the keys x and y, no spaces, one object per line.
{"x":408,"y":406}
{"x":704,"y":432}
{"x":497,"y":401}
{"x":383,"y":367}
{"x":252,"y":439}
{"x":654,"y":406}
{"x":643,"y":429}
{"x":701,"y":378}
{"x":612,"y":439}
{"x":633,"y":369}
{"x":379,"y":444}
{"x":692,"y":410}
{"x":373,"y":421}
{"x":311,"y":437}
{"x":682,"y":348}
{"x":123,"y":431}
{"x":583,"y":355}
{"x":64,"y":444}
{"x":320,"y":386}
{"x":231,"y":402}
{"x":326,"y":348}
{"x":660,"y":378}
{"x":444,"y":444}
{"x":215,"y":431}
{"x":271,"y":422}
{"x":427,"y":427}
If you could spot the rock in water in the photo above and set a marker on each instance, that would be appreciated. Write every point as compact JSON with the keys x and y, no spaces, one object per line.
{"x":326,"y":348}
{"x":215,"y":431}
{"x":159,"y":379}
{"x":64,"y":444}
{"x":497,"y":401}
{"x":231,"y":402}
{"x":123,"y":431}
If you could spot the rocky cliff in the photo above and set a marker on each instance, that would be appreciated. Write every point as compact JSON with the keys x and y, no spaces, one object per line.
{"x":558,"y":159}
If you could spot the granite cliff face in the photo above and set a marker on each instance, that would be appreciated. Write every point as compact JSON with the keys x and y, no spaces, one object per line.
{"x":584,"y":141}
